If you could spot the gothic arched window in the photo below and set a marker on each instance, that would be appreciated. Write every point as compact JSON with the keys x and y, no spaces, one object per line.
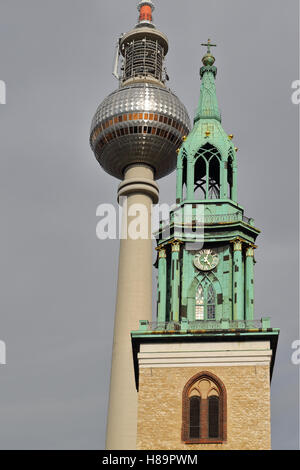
{"x":199,"y":313}
{"x":204,"y":410}
{"x":211,"y":303}
{"x":184,"y":176}
{"x":214,"y":178}
{"x":194,"y":403}
{"x":213,"y":416}
{"x":230,"y":175}
{"x":205,"y":302}
{"x":200,"y":171}
{"x":207,"y":173}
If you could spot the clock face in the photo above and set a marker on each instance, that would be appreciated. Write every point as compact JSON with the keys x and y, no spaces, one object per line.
{"x":206,"y":260}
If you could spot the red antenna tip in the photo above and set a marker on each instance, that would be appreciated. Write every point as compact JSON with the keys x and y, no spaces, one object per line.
{"x":145,"y":8}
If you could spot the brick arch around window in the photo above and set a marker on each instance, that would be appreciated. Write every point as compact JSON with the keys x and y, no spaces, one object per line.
{"x":204,"y":410}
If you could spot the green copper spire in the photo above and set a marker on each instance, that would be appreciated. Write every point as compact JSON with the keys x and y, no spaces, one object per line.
{"x":206,"y":257}
{"x":208,"y":107}
{"x":206,"y":164}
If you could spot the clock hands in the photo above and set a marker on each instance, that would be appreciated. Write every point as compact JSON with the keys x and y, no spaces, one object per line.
{"x":206,"y":260}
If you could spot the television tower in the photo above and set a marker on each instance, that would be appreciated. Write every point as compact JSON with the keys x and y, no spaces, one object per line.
{"x":134,"y":135}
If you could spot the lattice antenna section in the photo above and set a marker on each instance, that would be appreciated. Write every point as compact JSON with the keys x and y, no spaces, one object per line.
{"x":143,"y":58}
{"x":143,"y":49}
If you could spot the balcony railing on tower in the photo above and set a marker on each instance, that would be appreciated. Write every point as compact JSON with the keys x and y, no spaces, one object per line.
{"x":204,"y":325}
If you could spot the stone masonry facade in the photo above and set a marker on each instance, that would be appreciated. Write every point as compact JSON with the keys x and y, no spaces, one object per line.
{"x":248,"y":407}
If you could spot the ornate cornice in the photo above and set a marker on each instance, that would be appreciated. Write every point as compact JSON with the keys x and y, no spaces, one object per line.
{"x":176,"y":246}
{"x":162,"y":253}
{"x":208,"y":68}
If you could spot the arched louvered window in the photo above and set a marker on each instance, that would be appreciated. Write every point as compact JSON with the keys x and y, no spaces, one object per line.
{"x":194,"y":417}
{"x":204,"y":410}
{"x":207,"y":173}
{"x":205,"y":302}
{"x":213,"y":417}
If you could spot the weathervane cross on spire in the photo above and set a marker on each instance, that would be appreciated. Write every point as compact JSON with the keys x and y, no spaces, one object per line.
{"x":209,"y":45}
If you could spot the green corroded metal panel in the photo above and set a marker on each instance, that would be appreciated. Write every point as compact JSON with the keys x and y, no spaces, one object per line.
{"x":238,"y":281}
{"x":227,"y":282}
{"x":162,"y":286}
{"x":249,"y":284}
{"x":175,"y":282}
{"x":208,"y":104}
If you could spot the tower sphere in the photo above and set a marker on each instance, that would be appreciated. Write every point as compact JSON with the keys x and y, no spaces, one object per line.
{"x":142,"y":122}
{"x":139,"y":123}
{"x":208,"y":60}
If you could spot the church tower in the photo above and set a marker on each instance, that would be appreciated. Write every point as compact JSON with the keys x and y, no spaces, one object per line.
{"x":203,"y":369}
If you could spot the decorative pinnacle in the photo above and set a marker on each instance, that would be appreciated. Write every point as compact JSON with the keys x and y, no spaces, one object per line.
{"x":208,"y":59}
{"x":208,"y":104}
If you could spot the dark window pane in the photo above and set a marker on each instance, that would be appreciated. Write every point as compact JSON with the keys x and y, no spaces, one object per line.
{"x":195,"y":417}
{"x":213,"y":417}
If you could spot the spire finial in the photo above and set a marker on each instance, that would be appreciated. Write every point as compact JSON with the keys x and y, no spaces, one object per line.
{"x":209,"y":45}
{"x":208,"y":59}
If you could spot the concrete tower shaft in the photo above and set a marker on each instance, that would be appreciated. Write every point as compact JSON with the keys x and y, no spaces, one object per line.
{"x":134,"y":299}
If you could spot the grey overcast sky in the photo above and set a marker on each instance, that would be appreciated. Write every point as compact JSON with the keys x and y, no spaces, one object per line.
{"x":58,"y":281}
